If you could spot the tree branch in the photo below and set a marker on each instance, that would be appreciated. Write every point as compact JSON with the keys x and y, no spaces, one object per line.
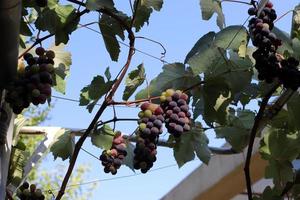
{"x":106,"y":101}
{"x":254,"y":130}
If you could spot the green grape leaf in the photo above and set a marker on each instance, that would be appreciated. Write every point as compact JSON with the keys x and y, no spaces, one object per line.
{"x":174,"y":75}
{"x":128,"y":160}
{"x":57,"y":19}
{"x":286,"y":41}
{"x":280,"y":144}
{"x":62,"y":63}
{"x":280,"y":171}
{"x":103,"y":137}
{"x":238,"y":129}
{"x":296,"y":48}
{"x":144,"y":10}
{"x":293,"y":107}
{"x":209,"y":52}
{"x":91,"y":94}
{"x":209,"y":7}
{"x":98,"y":4}
{"x":133,"y":81}
{"x":194,"y":141}
{"x":270,"y":194}
{"x":63,"y":145}
{"x":156,"y":4}
{"x":110,"y":28}
{"x":24,"y":28}
{"x":295,"y":32}
{"x":107,"y":74}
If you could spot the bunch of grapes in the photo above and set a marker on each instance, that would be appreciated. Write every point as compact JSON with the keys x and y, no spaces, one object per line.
{"x":29,"y":192}
{"x":176,"y":112}
{"x":150,"y":127}
{"x":112,"y":159}
{"x":33,"y":82}
{"x":268,"y":63}
{"x":41,"y":3}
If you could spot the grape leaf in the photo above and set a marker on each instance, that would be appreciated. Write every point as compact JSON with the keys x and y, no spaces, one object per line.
{"x":110,"y":28}
{"x":63,"y":145}
{"x":144,"y":10}
{"x":103,"y":137}
{"x":269,"y":194}
{"x":107,"y":74}
{"x":286,"y":41}
{"x":174,"y":75}
{"x":280,"y":171}
{"x":295,"y":32}
{"x":209,"y":7}
{"x":57,"y":19}
{"x":91,"y":94}
{"x":98,"y":4}
{"x":128,"y":160}
{"x":209,"y":52}
{"x":194,"y":141}
{"x":238,"y":129}
{"x":133,"y":81}
{"x":293,"y":107}
{"x":62,"y":62}
{"x":156,"y":4}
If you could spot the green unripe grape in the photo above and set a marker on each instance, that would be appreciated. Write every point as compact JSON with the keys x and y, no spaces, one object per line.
{"x":169,"y":92}
{"x":32,"y":187}
{"x":142,"y":126}
{"x":163,"y":98}
{"x":141,"y":114}
{"x":147,"y":113}
{"x":35,"y":93}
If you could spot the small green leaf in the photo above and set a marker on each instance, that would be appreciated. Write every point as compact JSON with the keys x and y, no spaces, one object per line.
{"x":109,"y":28}
{"x":98,"y":4}
{"x":293,"y":107}
{"x":295,"y":32}
{"x":194,"y":141}
{"x":92,"y":93}
{"x":209,"y":7}
{"x":62,"y":62}
{"x":103,"y":137}
{"x":64,"y":145}
{"x":107,"y":74}
{"x":133,"y":81}
{"x":156,"y":4}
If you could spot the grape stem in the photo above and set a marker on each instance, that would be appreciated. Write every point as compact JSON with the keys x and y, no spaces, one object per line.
{"x":254,"y":130}
{"x":108,"y":97}
{"x":235,"y":1}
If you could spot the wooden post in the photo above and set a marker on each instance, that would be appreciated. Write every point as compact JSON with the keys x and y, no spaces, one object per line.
{"x":10,"y":15}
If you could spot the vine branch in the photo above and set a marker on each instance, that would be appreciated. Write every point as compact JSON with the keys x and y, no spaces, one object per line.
{"x":254,"y":130}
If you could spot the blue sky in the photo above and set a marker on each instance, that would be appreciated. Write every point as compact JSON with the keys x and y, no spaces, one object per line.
{"x":178,"y":26}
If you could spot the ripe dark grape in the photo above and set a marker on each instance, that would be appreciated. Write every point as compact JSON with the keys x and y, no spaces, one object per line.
{"x":176,"y":110}
{"x":150,"y":127}
{"x":268,"y":65}
{"x":41,"y":3}
{"x":112,"y":159}
{"x":33,"y":82}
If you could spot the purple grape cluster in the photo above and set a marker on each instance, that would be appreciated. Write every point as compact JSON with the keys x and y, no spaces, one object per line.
{"x":176,"y":112}
{"x":29,"y":192}
{"x":150,"y":127}
{"x":269,"y":64}
{"x":33,"y":82}
{"x":113,"y":158}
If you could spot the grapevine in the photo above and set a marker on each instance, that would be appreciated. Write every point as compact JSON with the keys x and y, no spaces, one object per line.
{"x":29,"y":192}
{"x":269,"y":64}
{"x":176,"y":109}
{"x":33,"y":82}
{"x":150,"y":127}
{"x":112,"y":159}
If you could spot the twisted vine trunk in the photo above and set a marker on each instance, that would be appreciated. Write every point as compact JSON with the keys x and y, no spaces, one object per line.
{"x":10,"y":15}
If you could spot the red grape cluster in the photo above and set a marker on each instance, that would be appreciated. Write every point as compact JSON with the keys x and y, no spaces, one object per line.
{"x":33,"y":82}
{"x":112,"y":159}
{"x":29,"y":192}
{"x":176,"y":112}
{"x":268,"y":63}
{"x":150,"y":127}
